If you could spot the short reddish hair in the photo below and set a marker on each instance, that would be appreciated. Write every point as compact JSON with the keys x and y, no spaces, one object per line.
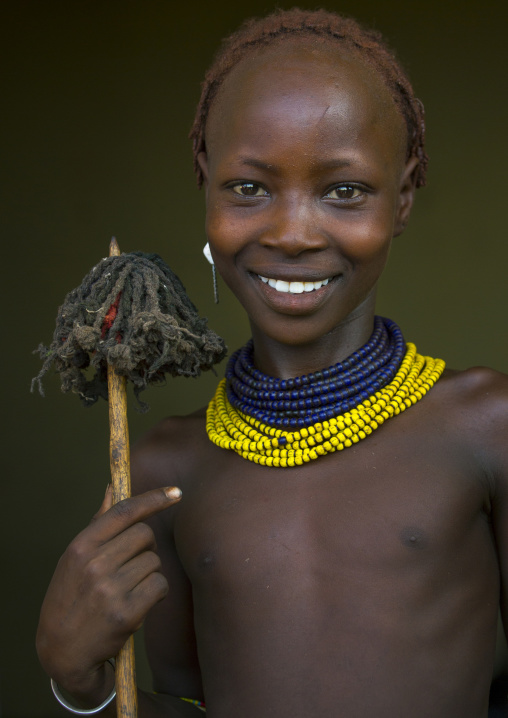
{"x":344,"y":31}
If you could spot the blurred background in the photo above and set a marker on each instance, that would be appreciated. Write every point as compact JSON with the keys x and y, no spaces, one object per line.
{"x":98,"y":99}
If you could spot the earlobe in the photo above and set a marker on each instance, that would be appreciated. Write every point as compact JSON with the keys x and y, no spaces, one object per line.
{"x":406,"y":195}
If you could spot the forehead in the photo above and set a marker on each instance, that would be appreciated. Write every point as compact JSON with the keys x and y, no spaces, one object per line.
{"x":300,"y":81}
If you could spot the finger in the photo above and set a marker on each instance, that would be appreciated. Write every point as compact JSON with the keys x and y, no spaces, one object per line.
{"x":146,"y":594}
{"x":128,"y":512}
{"x":137,"y":569}
{"x":132,"y":542}
{"x":128,"y":611}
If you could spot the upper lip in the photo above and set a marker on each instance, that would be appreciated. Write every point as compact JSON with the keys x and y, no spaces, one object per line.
{"x":295,"y":274}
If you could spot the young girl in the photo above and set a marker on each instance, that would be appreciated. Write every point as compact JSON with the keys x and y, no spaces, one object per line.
{"x":341,"y":540}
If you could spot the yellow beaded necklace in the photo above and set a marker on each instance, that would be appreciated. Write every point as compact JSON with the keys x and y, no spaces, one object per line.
{"x":270,"y":446}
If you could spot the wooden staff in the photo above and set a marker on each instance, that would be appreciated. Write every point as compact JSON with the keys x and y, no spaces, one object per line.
{"x":119,"y":458}
{"x":82,"y":338}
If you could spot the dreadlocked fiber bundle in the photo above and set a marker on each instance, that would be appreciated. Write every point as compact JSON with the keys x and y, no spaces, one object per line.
{"x":132,"y":313}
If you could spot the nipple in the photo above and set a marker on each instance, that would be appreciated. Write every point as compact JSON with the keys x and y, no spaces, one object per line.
{"x":413,"y":537}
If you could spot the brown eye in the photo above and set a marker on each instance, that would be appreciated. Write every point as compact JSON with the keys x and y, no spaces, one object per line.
{"x":345,"y":191}
{"x":249,"y":189}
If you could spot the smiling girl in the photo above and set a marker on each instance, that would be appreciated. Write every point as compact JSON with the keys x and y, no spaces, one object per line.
{"x":341,"y":541}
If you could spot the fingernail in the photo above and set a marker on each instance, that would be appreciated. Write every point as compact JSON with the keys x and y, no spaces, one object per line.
{"x":172,"y":492}
{"x":108,"y":488}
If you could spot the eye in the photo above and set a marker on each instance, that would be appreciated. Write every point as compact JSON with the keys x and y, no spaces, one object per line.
{"x":249,"y":189}
{"x":344,"y":191}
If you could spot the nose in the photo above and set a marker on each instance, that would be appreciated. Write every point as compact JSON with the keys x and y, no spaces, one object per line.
{"x":293,"y":227}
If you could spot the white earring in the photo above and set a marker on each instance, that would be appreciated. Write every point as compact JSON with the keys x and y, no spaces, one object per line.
{"x":208,"y":255}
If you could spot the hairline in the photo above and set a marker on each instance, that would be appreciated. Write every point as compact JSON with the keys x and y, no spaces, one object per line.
{"x":257,"y":34}
{"x":323,"y":41}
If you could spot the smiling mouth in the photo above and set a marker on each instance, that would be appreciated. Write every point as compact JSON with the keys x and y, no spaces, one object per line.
{"x":294,"y":287}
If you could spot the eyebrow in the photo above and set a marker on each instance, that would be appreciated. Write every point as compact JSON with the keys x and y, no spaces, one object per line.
{"x":269,"y":167}
{"x":259,"y":164}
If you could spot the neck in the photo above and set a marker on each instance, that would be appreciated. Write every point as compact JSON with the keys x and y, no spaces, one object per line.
{"x":285,"y":361}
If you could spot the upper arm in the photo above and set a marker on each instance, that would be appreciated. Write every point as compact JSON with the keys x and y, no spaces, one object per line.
{"x":500,"y":527}
{"x":169,"y":626}
{"x":493,"y":418}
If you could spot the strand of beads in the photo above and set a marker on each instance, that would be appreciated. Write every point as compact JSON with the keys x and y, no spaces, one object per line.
{"x":272,"y":446}
{"x":297,"y":402}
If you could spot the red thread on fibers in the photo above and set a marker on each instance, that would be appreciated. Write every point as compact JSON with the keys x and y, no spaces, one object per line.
{"x":110,"y":318}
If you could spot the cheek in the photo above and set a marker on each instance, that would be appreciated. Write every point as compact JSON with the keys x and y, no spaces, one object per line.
{"x":367,"y":239}
{"x":226,"y":233}
{"x":219,"y":228}
{"x":223,"y":240}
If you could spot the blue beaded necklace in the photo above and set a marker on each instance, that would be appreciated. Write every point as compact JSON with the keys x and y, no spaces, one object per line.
{"x":319,"y":396}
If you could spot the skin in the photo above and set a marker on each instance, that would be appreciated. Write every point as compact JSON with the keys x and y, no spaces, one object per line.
{"x":365,"y":583}
{"x":299,"y":228}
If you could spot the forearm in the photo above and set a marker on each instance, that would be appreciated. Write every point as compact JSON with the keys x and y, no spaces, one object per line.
{"x":150,"y":705}
{"x":104,"y":585}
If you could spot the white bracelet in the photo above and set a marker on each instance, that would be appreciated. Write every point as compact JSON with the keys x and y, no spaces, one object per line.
{"x":82,"y":711}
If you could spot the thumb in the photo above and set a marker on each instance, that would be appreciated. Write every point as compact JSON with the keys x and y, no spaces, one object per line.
{"x":107,"y":502}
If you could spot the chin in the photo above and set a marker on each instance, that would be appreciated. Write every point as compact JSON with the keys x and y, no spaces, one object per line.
{"x":295,"y":332}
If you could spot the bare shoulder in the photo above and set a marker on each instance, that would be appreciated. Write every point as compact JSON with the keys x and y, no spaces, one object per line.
{"x":478,"y":388}
{"x":475,"y":402}
{"x":167,"y":453}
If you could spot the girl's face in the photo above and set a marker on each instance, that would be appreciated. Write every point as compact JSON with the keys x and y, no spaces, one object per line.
{"x":306,"y":184}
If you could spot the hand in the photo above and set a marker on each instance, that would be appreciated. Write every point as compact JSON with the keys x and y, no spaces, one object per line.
{"x":104,"y":585}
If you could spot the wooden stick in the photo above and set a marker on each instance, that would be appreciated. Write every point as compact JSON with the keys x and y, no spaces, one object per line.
{"x":119,"y":458}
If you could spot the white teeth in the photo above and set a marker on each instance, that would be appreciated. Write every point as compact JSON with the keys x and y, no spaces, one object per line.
{"x":293,"y":287}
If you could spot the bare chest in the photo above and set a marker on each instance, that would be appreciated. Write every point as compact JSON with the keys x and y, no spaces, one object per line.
{"x":377,"y":509}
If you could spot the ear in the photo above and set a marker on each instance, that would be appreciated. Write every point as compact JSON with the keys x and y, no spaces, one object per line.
{"x":203,"y":166}
{"x":406,"y":195}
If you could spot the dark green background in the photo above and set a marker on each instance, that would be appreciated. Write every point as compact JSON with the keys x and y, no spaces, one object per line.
{"x":98,"y":98}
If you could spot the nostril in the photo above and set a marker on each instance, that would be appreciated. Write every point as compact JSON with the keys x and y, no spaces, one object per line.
{"x":293,"y":227}
{"x":295,"y":243}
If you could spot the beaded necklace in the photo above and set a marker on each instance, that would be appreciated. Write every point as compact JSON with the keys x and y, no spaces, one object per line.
{"x":330,"y":410}
{"x":303,"y":400}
